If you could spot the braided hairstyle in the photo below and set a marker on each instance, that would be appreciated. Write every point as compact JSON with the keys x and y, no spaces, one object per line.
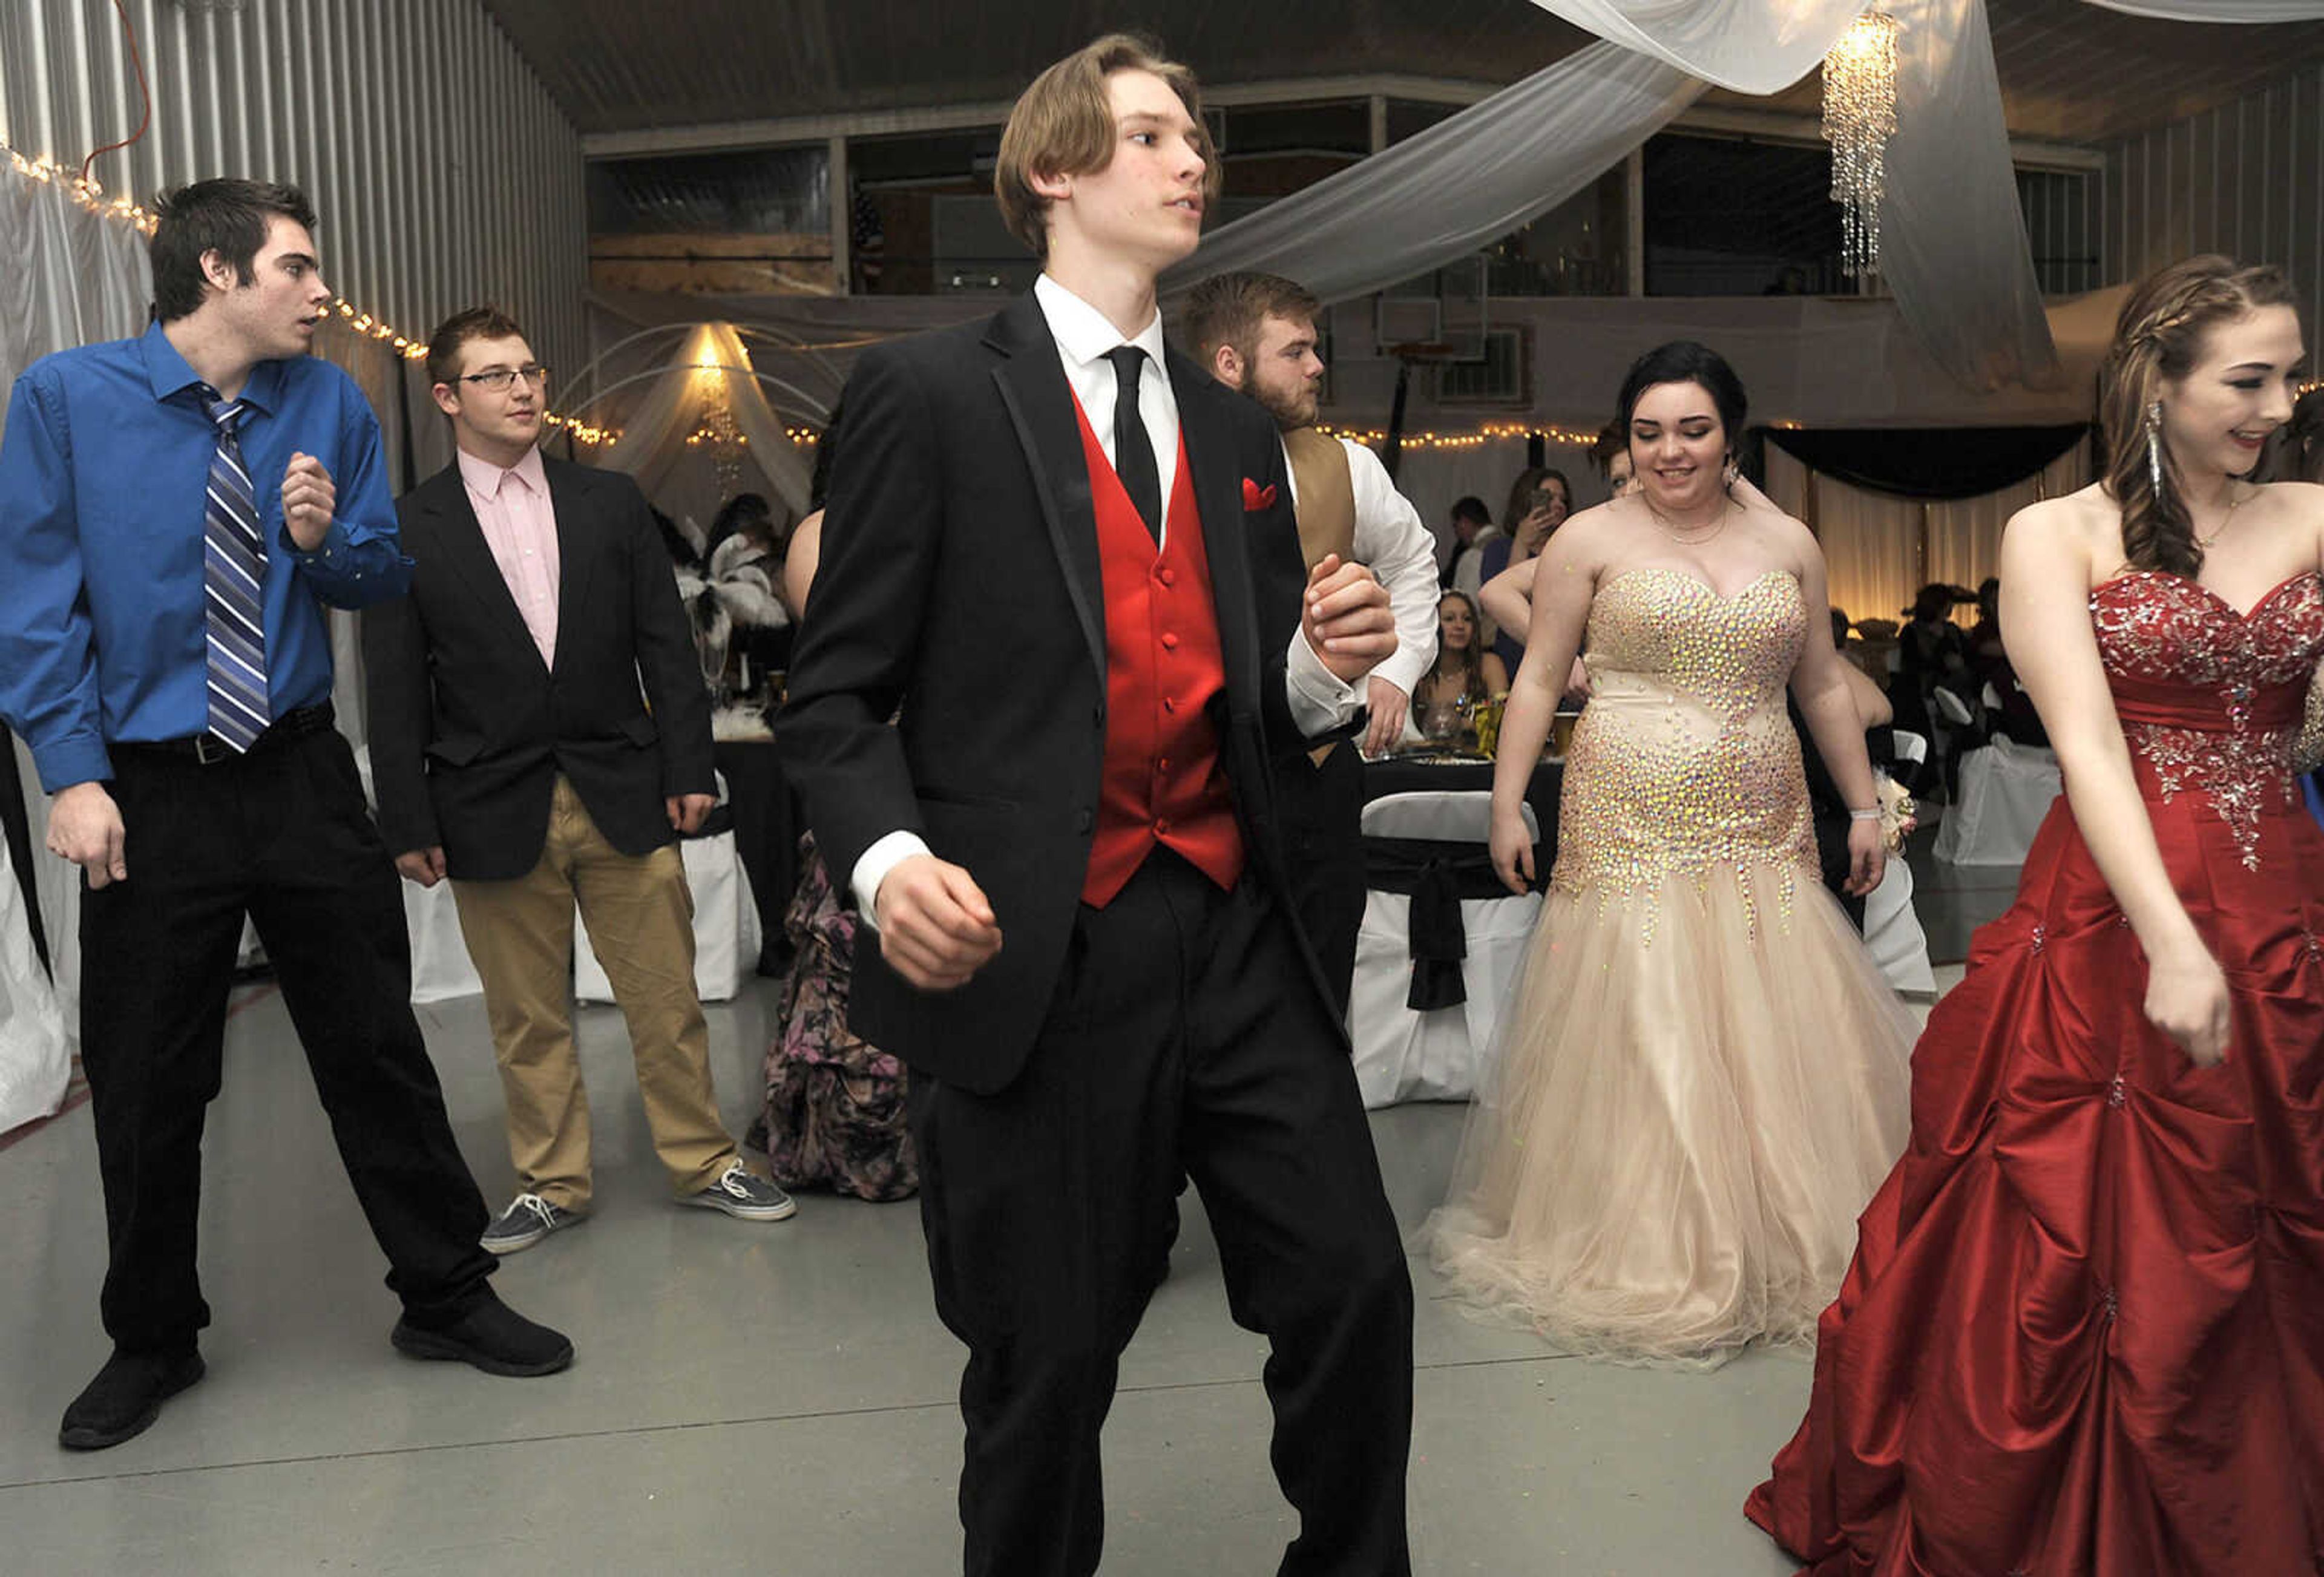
{"x":2159,"y":338}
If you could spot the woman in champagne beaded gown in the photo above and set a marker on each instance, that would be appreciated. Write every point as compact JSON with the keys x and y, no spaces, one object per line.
{"x":1701,"y":1076}
{"x":2084,"y":1329}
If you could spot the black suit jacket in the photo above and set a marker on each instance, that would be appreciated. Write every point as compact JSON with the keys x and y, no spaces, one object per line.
{"x":468,"y":727}
{"x":960,"y":578}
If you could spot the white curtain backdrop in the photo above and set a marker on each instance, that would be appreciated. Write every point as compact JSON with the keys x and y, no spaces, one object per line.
{"x":68,"y":275}
{"x":1880,"y":548}
{"x":1751,"y":46}
{"x":712,"y":361}
{"x":1462,"y":184}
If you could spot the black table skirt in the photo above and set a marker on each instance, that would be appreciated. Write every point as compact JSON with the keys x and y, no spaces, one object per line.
{"x":1398,"y":776}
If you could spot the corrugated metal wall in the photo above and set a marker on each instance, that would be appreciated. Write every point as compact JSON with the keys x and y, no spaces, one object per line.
{"x":2246,"y":178}
{"x":443,"y":171}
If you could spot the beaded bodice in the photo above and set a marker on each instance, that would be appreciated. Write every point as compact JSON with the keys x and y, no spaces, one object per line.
{"x":2210,"y":698}
{"x":1685,"y":760}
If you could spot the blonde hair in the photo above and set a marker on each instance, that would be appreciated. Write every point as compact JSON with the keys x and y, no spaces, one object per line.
{"x":1063,"y":124}
{"x":2158,"y":339}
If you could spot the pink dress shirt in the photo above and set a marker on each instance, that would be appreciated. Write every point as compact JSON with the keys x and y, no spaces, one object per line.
{"x":520,"y":526}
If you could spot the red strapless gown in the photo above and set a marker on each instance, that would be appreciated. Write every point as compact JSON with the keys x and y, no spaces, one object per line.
{"x":2084,"y":1328}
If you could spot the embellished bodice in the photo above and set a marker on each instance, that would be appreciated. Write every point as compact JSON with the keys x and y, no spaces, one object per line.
{"x":2211,"y":699}
{"x":1684,"y":759}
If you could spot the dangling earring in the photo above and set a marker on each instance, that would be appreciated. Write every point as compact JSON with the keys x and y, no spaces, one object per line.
{"x":2154,"y":446}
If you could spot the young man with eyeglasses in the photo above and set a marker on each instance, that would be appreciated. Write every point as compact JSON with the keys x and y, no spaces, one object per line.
{"x":175,"y":511}
{"x":540,"y":736}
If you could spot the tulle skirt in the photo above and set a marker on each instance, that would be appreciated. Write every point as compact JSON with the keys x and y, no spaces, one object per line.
{"x":1698,"y":1087}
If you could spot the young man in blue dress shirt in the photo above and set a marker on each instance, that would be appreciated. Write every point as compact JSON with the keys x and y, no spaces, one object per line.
{"x":175,"y":511}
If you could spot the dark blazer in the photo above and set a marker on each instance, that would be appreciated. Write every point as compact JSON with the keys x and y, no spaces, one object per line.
{"x":468,"y":728}
{"x":960,"y":577}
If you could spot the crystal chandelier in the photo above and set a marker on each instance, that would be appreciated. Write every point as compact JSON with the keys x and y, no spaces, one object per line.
{"x":1859,"y":117}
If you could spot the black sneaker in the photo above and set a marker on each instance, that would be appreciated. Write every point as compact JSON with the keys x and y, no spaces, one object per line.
{"x":744,"y":1196}
{"x":491,"y":1336}
{"x":528,"y":1219}
{"x":125,"y":1398}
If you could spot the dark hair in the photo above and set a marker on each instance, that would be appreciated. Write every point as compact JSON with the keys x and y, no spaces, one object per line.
{"x":1472,"y":508}
{"x":738,"y":514}
{"x":1473,"y":665}
{"x":2157,"y":339}
{"x":1228,"y":308}
{"x":459,"y":330}
{"x":1839,"y":627}
{"x":2303,"y":452}
{"x":229,"y":218}
{"x":1063,"y":124}
{"x":681,"y":551}
{"x":1522,"y":490}
{"x":1935,"y":601}
{"x":1612,"y":439}
{"x":1684,"y":360}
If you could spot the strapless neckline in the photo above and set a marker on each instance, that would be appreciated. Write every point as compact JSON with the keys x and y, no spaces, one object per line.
{"x":2241,"y":615}
{"x":1697,"y":581}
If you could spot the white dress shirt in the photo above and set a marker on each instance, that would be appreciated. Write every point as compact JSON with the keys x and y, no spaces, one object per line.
{"x":1320,"y":700}
{"x":1399,"y":550}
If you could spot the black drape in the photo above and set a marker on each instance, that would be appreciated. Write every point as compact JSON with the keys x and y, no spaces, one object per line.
{"x":1928,"y":461}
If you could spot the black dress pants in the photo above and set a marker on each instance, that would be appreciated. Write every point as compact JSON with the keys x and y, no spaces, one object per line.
{"x":1321,"y":809}
{"x":283,"y":834}
{"x":1184,"y":1040}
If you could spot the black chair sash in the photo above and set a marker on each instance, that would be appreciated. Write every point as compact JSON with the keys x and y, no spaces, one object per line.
{"x":1437,"y":875}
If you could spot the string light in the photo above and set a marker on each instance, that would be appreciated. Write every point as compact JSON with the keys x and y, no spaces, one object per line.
{"x":1490,"y":433}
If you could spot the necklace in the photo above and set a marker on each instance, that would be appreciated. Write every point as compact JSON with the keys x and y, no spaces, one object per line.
{"x":1690,"y":536}
{"x":2226,"y":520}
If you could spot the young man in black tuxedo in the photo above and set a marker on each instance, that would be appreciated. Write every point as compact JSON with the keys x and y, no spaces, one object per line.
{"x":1069,"y":556}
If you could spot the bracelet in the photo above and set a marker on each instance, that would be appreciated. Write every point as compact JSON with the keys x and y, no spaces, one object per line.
{"x":1871,"y":815}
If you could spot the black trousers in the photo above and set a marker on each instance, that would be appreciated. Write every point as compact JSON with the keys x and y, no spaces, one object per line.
{"x":1321,"y":809}
{"x":281,"y":835}
{"x":1184,"y":1041}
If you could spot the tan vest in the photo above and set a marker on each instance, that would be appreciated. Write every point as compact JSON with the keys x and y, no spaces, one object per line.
{"x":1326,"y":502}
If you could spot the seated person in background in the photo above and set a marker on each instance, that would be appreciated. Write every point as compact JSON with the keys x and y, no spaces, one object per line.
{"x":1931,"y":652}
{"x":1539,"y":501}
{"x":2013,"y":714}
{"x":1463,"y":676}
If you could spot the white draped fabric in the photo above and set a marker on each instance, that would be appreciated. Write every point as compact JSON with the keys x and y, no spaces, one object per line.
{"x":1748,"y":45}
{"x":712,"y":365}
{"x":67,"y":274}
{"x":1952,"y":232}
{"x":1464,"y":181}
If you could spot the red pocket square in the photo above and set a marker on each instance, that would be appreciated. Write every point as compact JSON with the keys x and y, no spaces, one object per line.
{"x":1254,"y":496}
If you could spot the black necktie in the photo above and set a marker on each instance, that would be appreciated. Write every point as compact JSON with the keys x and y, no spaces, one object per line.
{"x":1133,"y":452}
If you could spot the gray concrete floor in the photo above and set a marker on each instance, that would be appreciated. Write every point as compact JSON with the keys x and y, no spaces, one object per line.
{"x":754,"y":1399}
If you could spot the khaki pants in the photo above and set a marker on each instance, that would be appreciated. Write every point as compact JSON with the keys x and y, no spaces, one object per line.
{"x":640,"y":919}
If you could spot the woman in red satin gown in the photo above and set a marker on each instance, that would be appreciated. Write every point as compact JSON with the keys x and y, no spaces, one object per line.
{"x":2084,"y":1328}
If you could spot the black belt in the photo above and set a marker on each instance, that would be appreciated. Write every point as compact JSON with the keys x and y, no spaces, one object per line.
{"x":210,"y":750}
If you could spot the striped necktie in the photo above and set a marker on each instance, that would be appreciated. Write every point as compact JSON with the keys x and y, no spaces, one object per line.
{"x":234,"y":569}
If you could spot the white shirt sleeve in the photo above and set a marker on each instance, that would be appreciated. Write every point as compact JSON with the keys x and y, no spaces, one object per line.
{"x":1391,"y":540}
{"x":1320,"y":700}
{"x":872,"y":868}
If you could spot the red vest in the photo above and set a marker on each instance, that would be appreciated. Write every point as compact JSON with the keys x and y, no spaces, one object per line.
{"x":1162,"y":782}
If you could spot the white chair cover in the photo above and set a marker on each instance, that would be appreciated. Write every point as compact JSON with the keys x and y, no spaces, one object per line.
{"x":2006,"y":790}
{"x":1892,"y":934}
{"x":440,"y":968}
{"x":36,"y":1043}
{"x":1401,"y":1054}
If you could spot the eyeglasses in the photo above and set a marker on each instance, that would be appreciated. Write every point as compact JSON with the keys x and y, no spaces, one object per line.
{"x":497,"y":379}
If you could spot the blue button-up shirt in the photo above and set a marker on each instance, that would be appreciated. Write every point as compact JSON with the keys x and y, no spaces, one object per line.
{"x":104,"y":469}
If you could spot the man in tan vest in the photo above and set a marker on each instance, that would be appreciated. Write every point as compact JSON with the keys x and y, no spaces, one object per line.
{"x":1256,"y":333}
